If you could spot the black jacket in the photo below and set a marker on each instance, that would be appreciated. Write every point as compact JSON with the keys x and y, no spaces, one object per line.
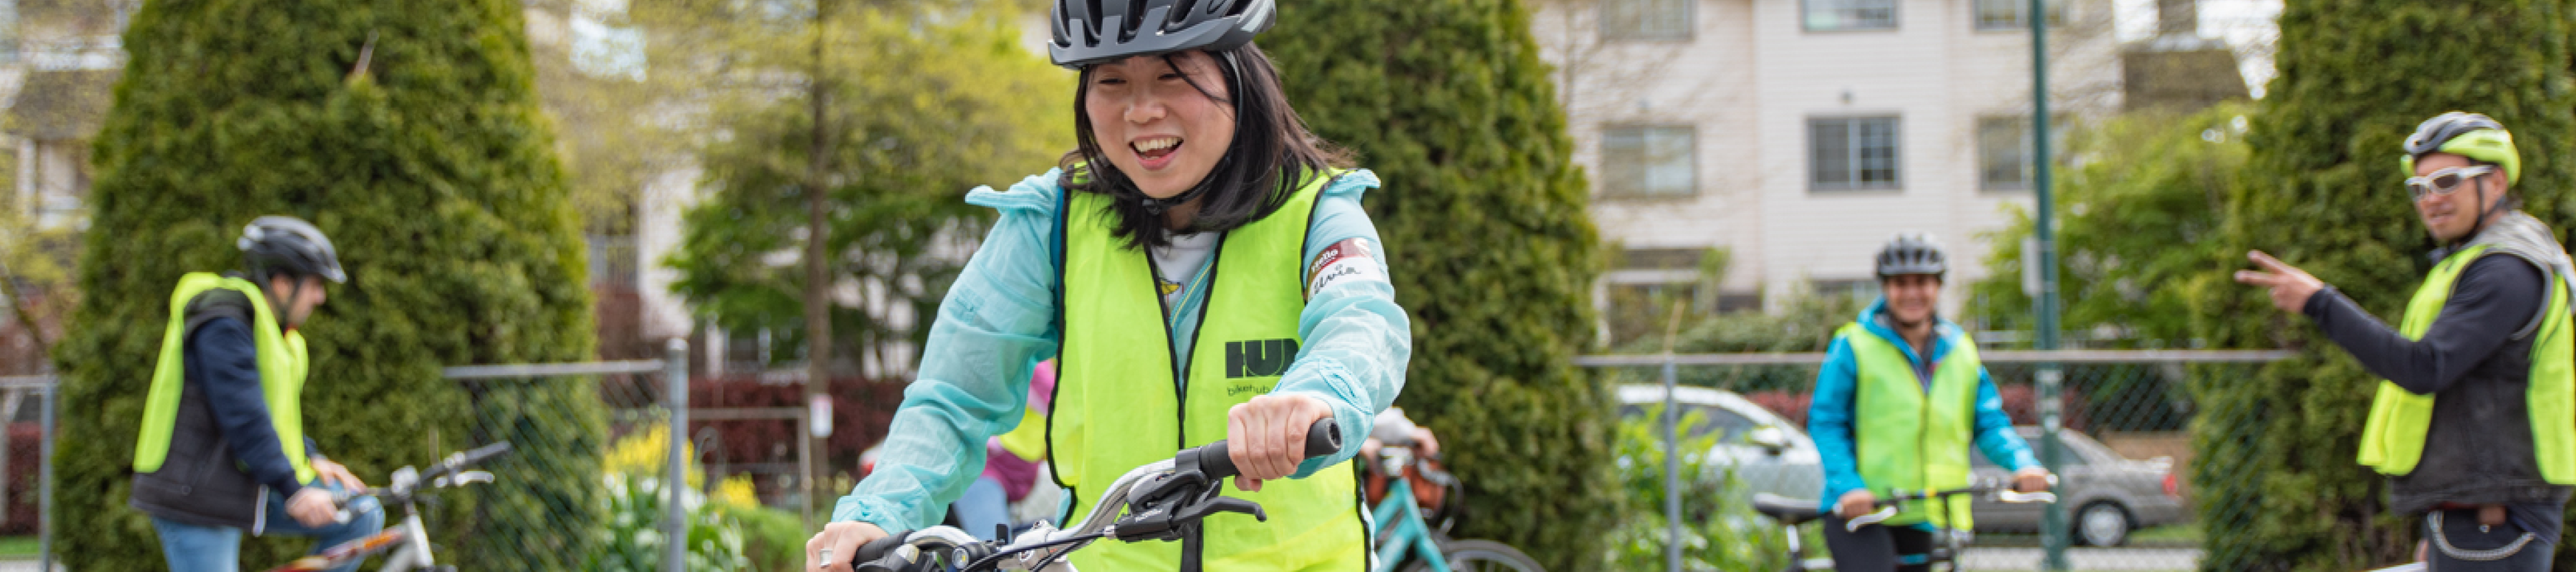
{"x":225,"y":458}
{"x":2475,"y":359}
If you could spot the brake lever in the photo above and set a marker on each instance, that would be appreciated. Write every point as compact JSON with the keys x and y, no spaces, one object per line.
{"x":902,"y":559}
{"x":1883,"y":513}
{"x":2011,"y":496}
{"x":462,"y":479}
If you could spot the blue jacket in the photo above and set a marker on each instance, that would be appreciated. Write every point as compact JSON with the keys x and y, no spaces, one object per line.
{"x":1829,"y":414}
{"x":998,"y":322}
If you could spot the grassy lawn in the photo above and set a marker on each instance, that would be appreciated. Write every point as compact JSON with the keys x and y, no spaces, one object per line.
{"x":2172,"y":535}
{"x":17,"y":547}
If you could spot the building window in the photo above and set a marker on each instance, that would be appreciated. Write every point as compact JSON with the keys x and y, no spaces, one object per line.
{"x":613,"y":259}
{"x":2004,"y":151}
{"x":2005,"y":15}
{"x":1853,"y":154}
{"x":1646,"y":19}
{"x":1650,"y":161}
{"x":1835,"y":15}
{"x":1861,"y":290}
{"x":1643,"y":286}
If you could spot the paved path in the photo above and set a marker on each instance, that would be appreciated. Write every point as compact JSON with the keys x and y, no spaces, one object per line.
{"x":2085,"y":559}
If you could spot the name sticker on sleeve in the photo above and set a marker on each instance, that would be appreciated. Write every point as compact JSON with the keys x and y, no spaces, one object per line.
{"x":1344,"y":261}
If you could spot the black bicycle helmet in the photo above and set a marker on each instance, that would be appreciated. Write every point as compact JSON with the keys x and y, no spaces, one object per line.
{"x":1096,"y":31}
{"x":1911,"y":253}
{"x":288,"y":246}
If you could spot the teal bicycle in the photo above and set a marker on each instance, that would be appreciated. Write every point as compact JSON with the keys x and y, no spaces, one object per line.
{"x":1404,"y":538}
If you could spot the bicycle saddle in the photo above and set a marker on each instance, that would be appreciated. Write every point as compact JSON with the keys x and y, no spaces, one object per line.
{"x":1789,"y":511}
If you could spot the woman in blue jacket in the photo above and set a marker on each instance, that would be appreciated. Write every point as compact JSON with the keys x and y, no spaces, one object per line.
{"x":1203,"y":269}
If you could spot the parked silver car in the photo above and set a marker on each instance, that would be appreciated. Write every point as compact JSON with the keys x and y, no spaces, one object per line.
{"x":2105,"y":496}
{"x":1767,"y":453}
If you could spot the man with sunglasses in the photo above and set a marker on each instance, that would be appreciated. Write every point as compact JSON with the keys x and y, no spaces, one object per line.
{"x":2475,"y":424}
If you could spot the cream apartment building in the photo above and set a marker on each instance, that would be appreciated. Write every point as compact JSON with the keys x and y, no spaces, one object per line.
{"x":1800,"y":134}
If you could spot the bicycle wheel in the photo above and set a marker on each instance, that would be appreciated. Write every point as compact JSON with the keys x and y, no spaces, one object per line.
{"x":1481,"y":556}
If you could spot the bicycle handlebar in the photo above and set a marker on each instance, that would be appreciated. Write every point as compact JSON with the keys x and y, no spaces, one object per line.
{"x":459,"y":461}
{"x":1888,"y":507}
{"x":1322,"y":439}
{"x":1212,"y":463}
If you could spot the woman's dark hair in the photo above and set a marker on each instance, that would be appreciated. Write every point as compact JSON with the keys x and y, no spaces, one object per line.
{"x":1272,"y":152}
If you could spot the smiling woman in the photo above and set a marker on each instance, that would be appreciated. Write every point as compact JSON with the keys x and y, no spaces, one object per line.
{"x":1177,"y":134}
{"x":1193,"y":181}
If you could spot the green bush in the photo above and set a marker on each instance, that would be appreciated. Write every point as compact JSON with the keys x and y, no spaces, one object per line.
{"x":1720,"y":529}
{"x":2143,"y":210}
{"x":1492,"y":251}
{"x":432,"y":172}
{"x":633,"y":540}
{"x":773,"y":539}
{"x":2322,"y":191}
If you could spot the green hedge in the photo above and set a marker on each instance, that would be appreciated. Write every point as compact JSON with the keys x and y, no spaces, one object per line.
{"x":1493,"y":253}
{"x":2322,"y":191}
{"x":433,"y":174}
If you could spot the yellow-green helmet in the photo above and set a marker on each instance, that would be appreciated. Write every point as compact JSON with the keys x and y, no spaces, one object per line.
{"x":2478,"y":137}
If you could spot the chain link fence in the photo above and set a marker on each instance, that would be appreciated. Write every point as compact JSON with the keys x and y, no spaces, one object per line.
{"x":578,"y":419}
{"x":2124,"y":459}
{"x":589,"y":422}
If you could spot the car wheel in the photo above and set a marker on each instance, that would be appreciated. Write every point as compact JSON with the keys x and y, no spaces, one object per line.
{"x":2102,"y":524}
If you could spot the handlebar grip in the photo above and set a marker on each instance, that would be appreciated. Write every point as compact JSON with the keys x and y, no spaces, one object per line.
{"x":1322,"y":439}
{"x":876,"y":550}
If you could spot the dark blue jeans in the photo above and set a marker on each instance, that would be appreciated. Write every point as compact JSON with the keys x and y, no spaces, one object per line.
{"x":193,"y":548}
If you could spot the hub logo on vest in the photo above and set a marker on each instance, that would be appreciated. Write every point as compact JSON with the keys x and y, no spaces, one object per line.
{"x":1258,"y":358}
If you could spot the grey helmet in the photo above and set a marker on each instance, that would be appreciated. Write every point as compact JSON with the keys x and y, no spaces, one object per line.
{"x":1912,"y":253}
{"x":1089,"y":32}
{"x":288,"y":246}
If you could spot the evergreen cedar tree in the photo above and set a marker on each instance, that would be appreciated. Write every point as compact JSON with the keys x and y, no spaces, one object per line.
{"x":434,"y":174}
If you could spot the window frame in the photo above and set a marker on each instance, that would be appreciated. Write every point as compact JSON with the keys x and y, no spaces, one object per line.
{"x":2057,"y":10}
{"x":1646,"y":133}
{"x":2057,"y":143}
{"x":1688,"y":16}
{"x":1807,"y":16}
{"x":1853,"y":155}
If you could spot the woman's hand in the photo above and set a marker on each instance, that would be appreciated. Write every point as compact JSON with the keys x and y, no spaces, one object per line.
{"x":1267,"y":436}
{"x":2032,"y":480}
{"x":831,"y":550}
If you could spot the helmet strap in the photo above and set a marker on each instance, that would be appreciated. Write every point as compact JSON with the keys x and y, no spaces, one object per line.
{"x":2480,"y":184}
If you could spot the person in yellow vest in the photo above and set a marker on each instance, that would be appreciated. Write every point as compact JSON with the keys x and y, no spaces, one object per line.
{"x":1201,"y":269}
{"x":1899,"y":401}
{"x":2473,"y":424}
{"x":222,"y":448}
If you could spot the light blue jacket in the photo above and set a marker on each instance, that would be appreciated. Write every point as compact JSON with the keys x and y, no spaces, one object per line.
{"x":1829,"y":414}
{"x":998,"y":322}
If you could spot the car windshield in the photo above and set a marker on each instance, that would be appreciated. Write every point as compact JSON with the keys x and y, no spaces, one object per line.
{"x":1703,"y":420}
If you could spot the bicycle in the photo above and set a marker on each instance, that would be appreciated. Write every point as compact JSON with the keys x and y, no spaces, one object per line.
{"x":1414,"y":537}
{"x":409,"y":541}
{"x":1163,"y":500}
{"x":1947,"y":544}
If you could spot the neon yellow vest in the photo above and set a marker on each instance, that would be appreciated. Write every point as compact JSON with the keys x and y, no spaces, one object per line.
{"x":2392,"y":441}
{"x":1908,"y":438}
{"x":1117,"y":405}
{"x":281,"y":376}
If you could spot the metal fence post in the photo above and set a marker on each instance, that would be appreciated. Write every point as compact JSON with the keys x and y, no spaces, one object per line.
{"x":675,"y":516}
{"x":45,"y":487}
{"x":1672,"y":471}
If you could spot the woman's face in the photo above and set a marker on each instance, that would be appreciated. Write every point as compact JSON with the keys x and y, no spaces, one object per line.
{"x":1154,"y":125}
